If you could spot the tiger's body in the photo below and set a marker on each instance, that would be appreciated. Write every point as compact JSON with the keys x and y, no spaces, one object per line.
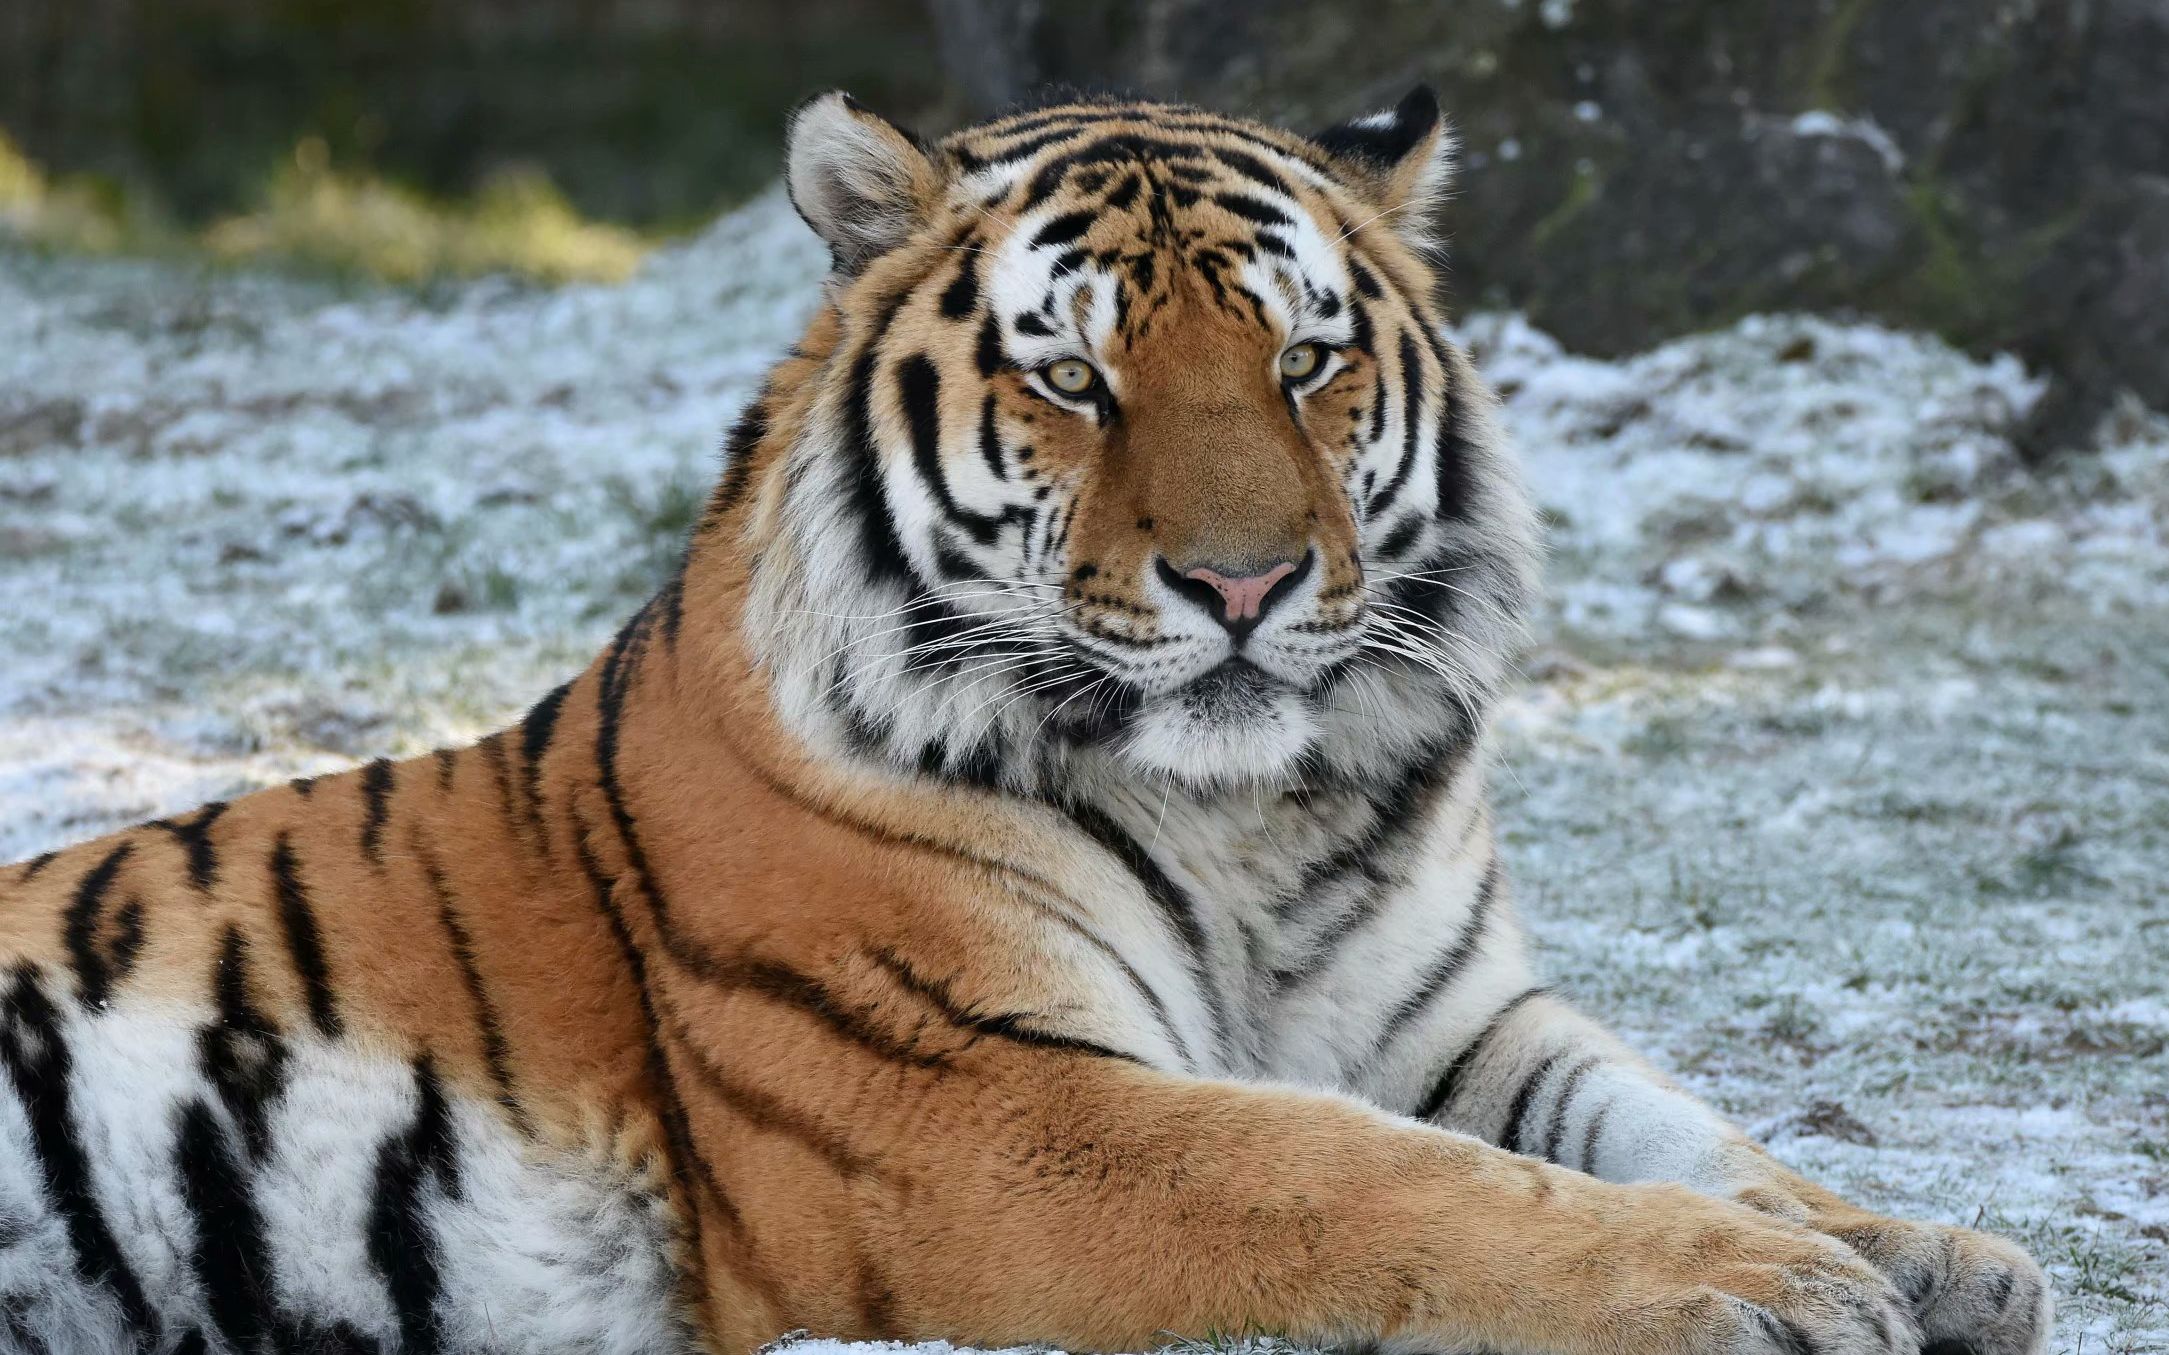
{"x":1026,"y":878}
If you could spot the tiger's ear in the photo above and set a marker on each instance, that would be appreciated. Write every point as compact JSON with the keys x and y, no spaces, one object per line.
{"x":1401,"y":160}
{"x":863,"y":183}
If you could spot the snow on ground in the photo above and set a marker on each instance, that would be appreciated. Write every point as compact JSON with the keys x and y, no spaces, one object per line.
{"x":1841,"y":780}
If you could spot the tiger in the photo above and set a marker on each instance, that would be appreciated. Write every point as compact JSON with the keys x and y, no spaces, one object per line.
{"x":1025,"y":878}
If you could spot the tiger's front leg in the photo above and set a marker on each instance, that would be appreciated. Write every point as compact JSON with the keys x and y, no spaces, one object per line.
{"x":1542,"y":1080}
{"x":1090,"y":1203}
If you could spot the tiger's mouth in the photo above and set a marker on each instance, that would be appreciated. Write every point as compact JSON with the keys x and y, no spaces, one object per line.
{"x":1236,"y":689}
{"x":1233,"y":722}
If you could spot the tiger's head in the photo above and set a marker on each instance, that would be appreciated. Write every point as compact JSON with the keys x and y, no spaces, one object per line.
{"x":1133,"y":437}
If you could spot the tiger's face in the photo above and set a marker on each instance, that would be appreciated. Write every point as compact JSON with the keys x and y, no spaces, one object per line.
{"x":1155,"y":441}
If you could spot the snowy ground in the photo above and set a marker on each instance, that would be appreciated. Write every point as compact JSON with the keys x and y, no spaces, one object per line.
{"x":1841,"y":780}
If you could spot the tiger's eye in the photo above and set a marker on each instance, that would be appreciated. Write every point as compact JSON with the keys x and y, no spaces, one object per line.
{"x":1070,"y":376}
{"x":1300,"y":361}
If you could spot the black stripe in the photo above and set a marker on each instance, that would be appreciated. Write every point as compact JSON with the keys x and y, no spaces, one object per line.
{"x":1442,"y":972}
{"x":242,"y":1053}
{"x":961,"y":297}
{"x":401,"y":1245}
{"x":37,"y":1059}
{"x":920,"y":386}
{"x":127,"y":940}
{"x":779,"y":982}
{"x":304,"y":944}
{"x":990,"y":438}
{"x":496,"y":1053}
{"x":493,"y":752}
{"x":1243,"y":162}
{"x":675,"y":1127}
{"x":880,"y":552}
{"x":1564,"y":1102}
{"x":1131,"y":146}
{"x":1072,"y":118}
{"x":745,"y":435}
{"x":35,"y":865}
{"x":1020,"y":151}
{"x":535,"y":732}
{"x":1363,"y":338}
{"x":1591,"y":1137}
{"x":1013,"y":1026}
{"x":1456,"y":485}
{"x":765,"y":1111}
{"x":1062,"y":229}
{"x":620,"y":664}
{"x":447,"y":766}
{"x":376,"y":790}
{"x":1518,"y":1108}
{"x":1452,"y":456}
{"x":1442,"y":1092}
{"x":1784,"y":1331}
{"x":194,"y":836}
{"x":1253,"y":209}
{"x":1401,"y":537}
{"x":1396,"y":815}
{"x":611,"y":689}
{"x":1411,"y":405}
{"x":685,"y":1153}
{"x":992,"y":356}
{"x":981,"y":765}
{"x":304,"y":786}
{"x":79,"y":927}
{"x":672,"y":599}
{"x":229,"y":1256}
{"x":1181,"y":913}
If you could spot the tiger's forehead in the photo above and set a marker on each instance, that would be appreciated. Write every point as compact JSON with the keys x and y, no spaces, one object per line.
{"x":1099,"y":220}
{"x":1017,"y":163}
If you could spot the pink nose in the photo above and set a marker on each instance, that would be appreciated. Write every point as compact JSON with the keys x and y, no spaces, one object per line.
{"x":1242,"y":598}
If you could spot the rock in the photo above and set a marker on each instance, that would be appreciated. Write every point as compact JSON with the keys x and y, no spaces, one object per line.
{"x":1824,"y":1119}
{"x":1636,"y":169}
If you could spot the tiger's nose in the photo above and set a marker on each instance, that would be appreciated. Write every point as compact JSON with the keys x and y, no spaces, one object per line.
{"x":1237,"y":601}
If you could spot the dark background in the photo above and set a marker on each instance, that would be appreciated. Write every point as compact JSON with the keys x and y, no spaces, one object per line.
{"x":1995,"y":171}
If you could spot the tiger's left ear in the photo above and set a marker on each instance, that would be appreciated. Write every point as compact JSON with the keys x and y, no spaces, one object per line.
{"x":863,"y":183}
{"x":1401,"y":160}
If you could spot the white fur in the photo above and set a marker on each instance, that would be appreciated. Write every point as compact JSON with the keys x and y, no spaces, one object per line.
{"x":851,"y":177}
{"x":538,"y":1252}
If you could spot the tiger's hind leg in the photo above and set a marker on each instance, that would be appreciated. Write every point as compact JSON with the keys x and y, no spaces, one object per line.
{"x":185,"y":1180}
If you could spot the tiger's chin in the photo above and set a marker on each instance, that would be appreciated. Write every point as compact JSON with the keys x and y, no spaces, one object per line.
{"x":1235,"y":725}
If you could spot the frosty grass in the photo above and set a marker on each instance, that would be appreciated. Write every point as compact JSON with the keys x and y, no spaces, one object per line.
{"x":1840,"y":781}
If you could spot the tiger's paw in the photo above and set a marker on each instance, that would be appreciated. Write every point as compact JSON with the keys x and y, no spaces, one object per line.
{"x":1972,"y":1293}
{"x":1711,"y":1278}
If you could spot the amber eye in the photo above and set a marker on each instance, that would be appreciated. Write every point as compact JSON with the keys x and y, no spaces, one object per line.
{"x":1300,"y":361}
{"x":1070,"y":376}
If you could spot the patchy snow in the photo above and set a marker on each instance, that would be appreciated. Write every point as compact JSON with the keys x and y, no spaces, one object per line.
{"x":1841,"y":780}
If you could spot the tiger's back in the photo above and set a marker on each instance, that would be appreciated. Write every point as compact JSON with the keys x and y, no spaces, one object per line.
{"x":352,"y":1063}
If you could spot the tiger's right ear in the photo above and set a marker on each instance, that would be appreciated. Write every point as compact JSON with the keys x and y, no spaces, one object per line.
{"x":863,"y":183}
